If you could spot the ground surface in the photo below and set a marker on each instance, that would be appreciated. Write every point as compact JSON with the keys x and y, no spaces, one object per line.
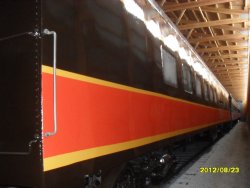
{"x":233,"y":150}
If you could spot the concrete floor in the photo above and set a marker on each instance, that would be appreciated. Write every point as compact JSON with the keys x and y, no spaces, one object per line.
{"x":233,"y":150}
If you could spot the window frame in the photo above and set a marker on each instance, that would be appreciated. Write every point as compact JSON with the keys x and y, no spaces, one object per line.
{"x":211,"y":94}
{"x":168,"y":52}
{"x":197,"y":77}
{"x":215,"y":96}
{"x":205,"y":94}
{"x":187,"y":68}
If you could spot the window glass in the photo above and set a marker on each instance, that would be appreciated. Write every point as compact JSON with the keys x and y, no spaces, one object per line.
{"x":186,"y":77}
{"x":215,"y":96}
{"x":169,"y":68}
{"x":211,"y":94}
{"x":198,"y":86}
{"x":220,"y":97}
{"x":205,"y":89}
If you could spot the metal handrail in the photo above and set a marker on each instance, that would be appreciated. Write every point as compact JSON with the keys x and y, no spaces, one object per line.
{"x":47,"y":32}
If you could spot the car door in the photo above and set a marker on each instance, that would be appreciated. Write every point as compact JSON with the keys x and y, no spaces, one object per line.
{"x":20,"y":93}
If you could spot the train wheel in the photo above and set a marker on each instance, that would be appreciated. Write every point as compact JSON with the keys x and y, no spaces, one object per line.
{"x":126,"y":179}
{"x":213,"y":135}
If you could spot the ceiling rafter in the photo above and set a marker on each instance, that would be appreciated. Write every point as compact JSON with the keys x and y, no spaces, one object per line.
{"x":197,"y":20}
{"x":240,"y":80}
{"x":215,"y":68}
{"x":219,"y":37}
{"x":230,"y":62}
{"x":230,"y":28}
{"x":234,"y":81}
{"x":214,"y":49}
{"x":230,"y":73}
{"x":222,"y":10}
{"x":181,"y":15}
{"x":218,"y":31}
{"x":233,"y":40}
{"x":225,"y":56}
{"x":216,"y":42}
{"x":229,"y":69}
{"x":192,"y":4}
{"x":212,"y":23}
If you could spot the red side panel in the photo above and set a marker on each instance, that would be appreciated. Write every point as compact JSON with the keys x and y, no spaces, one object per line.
{"x":92,"y":115}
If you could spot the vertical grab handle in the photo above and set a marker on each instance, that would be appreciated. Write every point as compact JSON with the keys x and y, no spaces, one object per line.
{"x":48,"y":32}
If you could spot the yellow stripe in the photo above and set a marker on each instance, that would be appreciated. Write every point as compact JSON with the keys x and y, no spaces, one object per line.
{"x":75,"y":76}
{"x":58,"y":161}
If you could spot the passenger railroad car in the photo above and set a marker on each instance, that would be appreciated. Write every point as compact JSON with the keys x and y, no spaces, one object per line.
{"x":95,"y":92}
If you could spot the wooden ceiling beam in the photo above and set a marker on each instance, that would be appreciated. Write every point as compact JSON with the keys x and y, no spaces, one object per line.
{"x":235,"y":65}
{"x":212,"y":23}
{"x":219,"y":37}
{"x":238,"y":92}
{"x":240,"y":84}
{"x":180,"y":17}
{"x":225,"y":56}
{"x":163,"y":2}
{"x":229,"y":62}
{"x":232,"y":86}
{"x":239,"y":40}
{"x":222,"y":68}
{"x":226,"y":76}
{"x":193,"y":4}
{"x":239,"y":80}
{"x":214,"y":49}
{"x":231,"y":76}
{"x":230,"y":72}
{"x":222,"y":10}
{"x":222,"y":30}
{"x":230,"y":28}
{"x":233,"y":82}
{"x":229,"y":69}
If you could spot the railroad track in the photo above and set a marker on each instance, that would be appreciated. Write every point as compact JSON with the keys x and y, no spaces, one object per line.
{"x":186,"y":154}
